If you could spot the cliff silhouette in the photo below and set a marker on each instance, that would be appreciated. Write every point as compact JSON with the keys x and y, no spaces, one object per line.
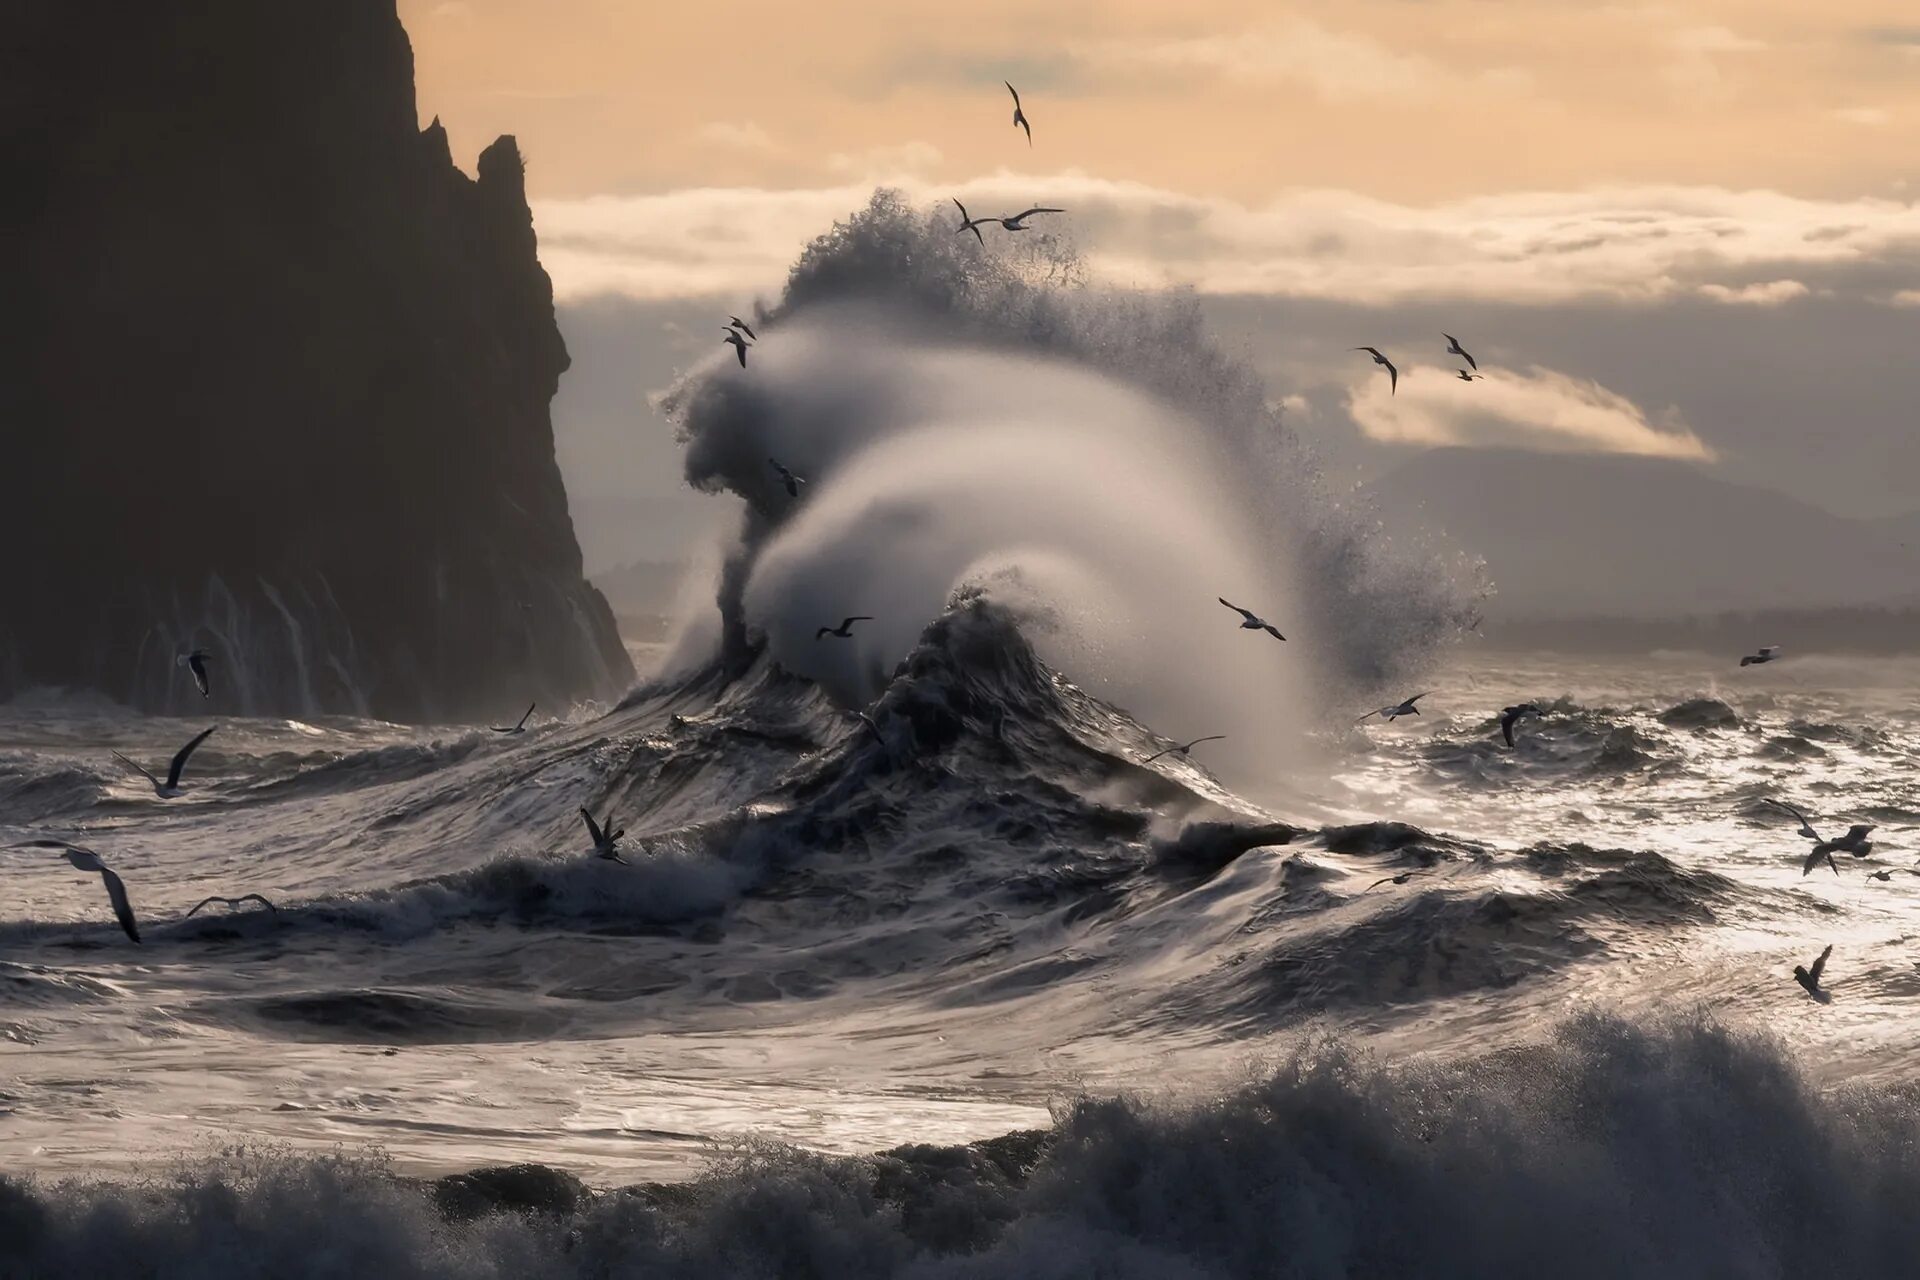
{"x":274,"y":377}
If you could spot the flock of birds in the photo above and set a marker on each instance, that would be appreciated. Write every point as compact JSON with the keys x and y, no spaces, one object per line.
{"x":1855,"y":842}
{"x":741,"y":336}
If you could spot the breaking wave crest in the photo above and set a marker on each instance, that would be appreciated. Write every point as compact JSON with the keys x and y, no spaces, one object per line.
{"x":1674,"y":1149}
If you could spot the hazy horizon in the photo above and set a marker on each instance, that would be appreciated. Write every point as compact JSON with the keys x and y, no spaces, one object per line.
{"x":1682,"y":231}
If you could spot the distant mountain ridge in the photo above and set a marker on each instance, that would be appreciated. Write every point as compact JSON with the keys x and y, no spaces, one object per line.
{"x":1568,"y":536}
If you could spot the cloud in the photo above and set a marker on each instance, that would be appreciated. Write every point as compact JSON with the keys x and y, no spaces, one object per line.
{"x":1713,"y":40}
{"x":1771,"y":294}
{"x":1621,"y":245}
{"x":743,"y":135}
{"x":1338,"y":66}
{"x":887,"y":163}
{"x":1537,"y":409}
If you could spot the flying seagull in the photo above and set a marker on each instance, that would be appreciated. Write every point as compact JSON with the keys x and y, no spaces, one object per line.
{"x":1402,"y":878}
{"x":233,"y":903}
{"x":518,"y":728}
{"x":1455,"y":349}
{"x":845,"y":629}
{"x":735,"y":322}
{"x":171,"y":787}
{"x":971,"y":224}
{"x":790,"y":480}
{"x":1888,"y":875}
{"x":85,"y":859}
{"x":1810,"y":978}
{"x":739,"y":344}
{"x":1510,"y":716}
{"x":606,"y":844}
{"x":196,"y":662}
{"x":1464,"y":376}
{"x":1018,"y":222}
{"x":1019,"y":116}
{"x":1184,"y":748}
{"x":1768,"y":653}
{"x":1393,"y":374}
{"x":1250,"y":621}
{"x":872,"y":728}
{"x":1396,"y":711}
{"x":1854,"y":842}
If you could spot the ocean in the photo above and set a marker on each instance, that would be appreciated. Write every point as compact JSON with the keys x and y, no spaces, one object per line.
{"x":915,"y":966}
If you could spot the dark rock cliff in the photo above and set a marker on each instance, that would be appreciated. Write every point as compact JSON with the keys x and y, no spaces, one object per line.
{"x":274,"y":376}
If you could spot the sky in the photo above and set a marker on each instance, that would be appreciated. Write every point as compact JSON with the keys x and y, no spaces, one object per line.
{"x":1682,"y":231}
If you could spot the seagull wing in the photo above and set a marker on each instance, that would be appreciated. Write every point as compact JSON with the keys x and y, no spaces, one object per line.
{"x":1393,"y":377}
{"x":1377,"y":883}
{"x":1273,"y":631}
{"x":1015,"y":92}
{"x":823,"y":633}
{"x":1506,"y":726}
{"x":593,"y":828}
{"x":1215,"y":737}
{"x":523,"y":719}
{"x":1806,"y":827}
{"x":1156,"y":755}
{"x":180,"y":758}
{"x":746,"y":328}
{"x":1858,"y":831}
{"x":136,"y":768}
{"x":846,"y":624}
{"x":1036,"y":209}
{"x":1819,"y":966}
{"x":1244,"y":613}
{"x":122,"y":907}
{"x":197,"y":664}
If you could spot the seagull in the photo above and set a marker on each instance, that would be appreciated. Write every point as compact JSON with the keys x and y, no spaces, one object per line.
{"x":1768,"y":653}
{"x":1396,"y":711}
{"x":1393,"y":374}
{"x":972,"y":224}
{"x":1019,"y":116}
{"x":1509,"y":716}
{"x":1464,"y":376}
{"x":606,"y":844}
{"x":1184,"y":748}
{"x":233,"y":903}
{"x":518,"y":728}
{"x":792,"y":481}
{"x":1455,"y":349}
{"x":845,"y":629}
{"x":1250,"y":621}
{"x":735,"y":322}
{"x":196,"y":662}
{"x":171,"y":787}
{"x":85,"y":859}
{"x":1888,"y":875}
{"x":1854,"y":842}
{"x":1402,"y":878}
{"x":1018,"y":222}
{"x":1810,"y":978}
{"x":872,"y":728}
{"x":739,"y":344}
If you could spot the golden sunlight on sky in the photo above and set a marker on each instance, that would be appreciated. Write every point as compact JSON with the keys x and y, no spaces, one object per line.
{"x":1401,"y":100}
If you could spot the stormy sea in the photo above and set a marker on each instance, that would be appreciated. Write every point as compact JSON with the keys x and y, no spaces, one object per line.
{"x":915,"y":964}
